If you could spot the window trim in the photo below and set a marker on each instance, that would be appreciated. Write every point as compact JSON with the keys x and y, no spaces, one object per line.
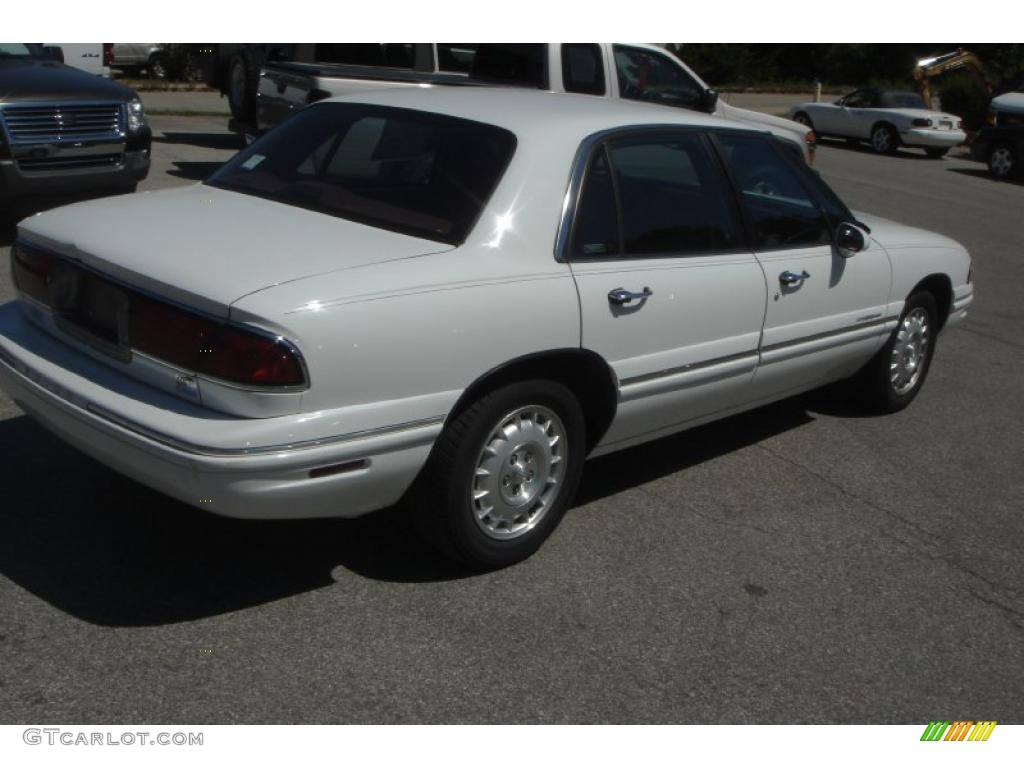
{"x":578,"y":175}
{"x":600,"y":68}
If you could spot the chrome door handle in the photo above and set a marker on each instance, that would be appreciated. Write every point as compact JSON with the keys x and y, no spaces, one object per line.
{"x":621,"y":296}
{"x":792,"y":278}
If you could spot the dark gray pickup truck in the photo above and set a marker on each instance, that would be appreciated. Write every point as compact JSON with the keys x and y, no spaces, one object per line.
{"x":64,"y":132}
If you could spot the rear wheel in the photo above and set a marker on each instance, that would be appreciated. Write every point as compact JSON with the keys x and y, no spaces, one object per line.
{"x":502,"y":474}
{"x":896,"y":374}
{"x":1002,"y":161}
{"x":243,"y":77}
{"x":884,"y":139}
{"x":156,"y":67}
{"x":936,"y":152}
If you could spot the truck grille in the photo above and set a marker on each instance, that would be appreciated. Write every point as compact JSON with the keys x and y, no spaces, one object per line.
{"x":47,"y":123}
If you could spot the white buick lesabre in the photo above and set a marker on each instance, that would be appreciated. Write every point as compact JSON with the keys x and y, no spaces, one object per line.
{"x":885,"y":119}
{"x":455,"y":296}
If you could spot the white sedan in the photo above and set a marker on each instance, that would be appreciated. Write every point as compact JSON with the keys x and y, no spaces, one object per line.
{"x":886,"y":119}
{"x":453,"y":297}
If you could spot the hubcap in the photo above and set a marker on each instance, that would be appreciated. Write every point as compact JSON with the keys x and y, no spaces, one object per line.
{"x":910,"y":351}
{"x":880,"y":139}
{"x":519,"y":472}
{"x":1001,"y":161}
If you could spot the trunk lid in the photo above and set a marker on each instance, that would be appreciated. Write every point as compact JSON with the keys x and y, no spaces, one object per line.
{"x":206,"y":247}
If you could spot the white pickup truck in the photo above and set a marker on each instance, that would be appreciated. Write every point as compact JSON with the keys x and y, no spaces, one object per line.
{"x":638,"y":71}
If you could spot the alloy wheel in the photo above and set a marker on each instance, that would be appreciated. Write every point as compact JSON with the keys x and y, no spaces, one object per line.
{"x":519,"y":472}
{"x":910,"y":351}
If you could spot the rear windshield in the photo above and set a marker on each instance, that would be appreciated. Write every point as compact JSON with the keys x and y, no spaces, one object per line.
{"x":901,"y":99}
{"x":418,"y":173}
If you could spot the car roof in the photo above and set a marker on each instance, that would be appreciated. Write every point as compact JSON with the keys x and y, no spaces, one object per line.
{"x":526,"y":111}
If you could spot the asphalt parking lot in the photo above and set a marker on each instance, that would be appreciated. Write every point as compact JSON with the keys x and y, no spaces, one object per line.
{"x":799,"y":563}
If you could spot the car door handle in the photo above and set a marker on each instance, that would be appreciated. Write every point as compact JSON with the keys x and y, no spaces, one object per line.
{"x":621,"y":296}
{"x":792,"y":278}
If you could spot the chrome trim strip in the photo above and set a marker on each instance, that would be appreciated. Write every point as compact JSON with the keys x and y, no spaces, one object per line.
{"x":262,"y":450}
{"x":816,"y":336}
{"x":685,"y":368}
{"x":44,"y":383}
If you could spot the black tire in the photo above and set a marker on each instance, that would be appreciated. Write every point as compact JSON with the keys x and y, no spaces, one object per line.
{"x":874,"y":385}
{"x":441,"y":501}
{"x":1002,"y":161}
{"x":242,"y":82}
{"x":156,"y":67}
{"x":884,"y":139}
{"x":936,"y":152}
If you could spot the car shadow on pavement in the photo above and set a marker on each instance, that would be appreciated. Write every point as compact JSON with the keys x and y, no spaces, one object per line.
{"x":194,"y":171}
{"x":865,"y":149}
{"x":205,"y":140}
{"x":112,"y":552}
{"x":982,"y":173}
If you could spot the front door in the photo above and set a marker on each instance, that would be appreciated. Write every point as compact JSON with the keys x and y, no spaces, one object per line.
{"x":826,"y":314}
{"x":669,"y":293}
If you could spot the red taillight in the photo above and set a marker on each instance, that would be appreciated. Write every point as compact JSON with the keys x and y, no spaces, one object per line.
{"x":209,"y":348}
{"x":246,"y":358}
{"x":108,"y":54}
{"x":31,"y":271}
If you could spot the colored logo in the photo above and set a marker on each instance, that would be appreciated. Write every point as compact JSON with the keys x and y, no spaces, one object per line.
{"x":959,"y":730}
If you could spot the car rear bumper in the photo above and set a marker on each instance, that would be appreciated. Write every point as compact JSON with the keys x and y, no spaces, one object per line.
{"x":166,"y":445}
{"x":930,"y":137}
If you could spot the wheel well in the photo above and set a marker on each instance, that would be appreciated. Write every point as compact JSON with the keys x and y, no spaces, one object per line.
{"x":888,"y":125}
{"x":583,"y":372}
{"x":941,"y":288}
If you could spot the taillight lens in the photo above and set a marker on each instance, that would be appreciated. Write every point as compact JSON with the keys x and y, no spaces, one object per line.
{"x":108,"y":54}
{"x":922,"y":122}
{"x":209,"y":348}
{"x":31,"y":271}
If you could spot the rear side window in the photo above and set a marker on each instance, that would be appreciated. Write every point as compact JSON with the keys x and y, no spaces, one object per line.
{"x":655,"y":196}
{"x":648,"y":76}
{"x":514,"y":63}
{"x":420,"y":173}
{"x":783,"y":210}
{"x":455,"y":57}
{"x":582,"y":68}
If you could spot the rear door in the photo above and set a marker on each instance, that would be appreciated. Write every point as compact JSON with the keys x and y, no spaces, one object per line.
{"x":670,"y":295}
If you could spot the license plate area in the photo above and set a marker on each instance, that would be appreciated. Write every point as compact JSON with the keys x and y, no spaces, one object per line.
{"x":91,"y":310}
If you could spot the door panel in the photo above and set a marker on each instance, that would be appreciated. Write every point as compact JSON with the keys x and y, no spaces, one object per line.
{"x":656,"y":220}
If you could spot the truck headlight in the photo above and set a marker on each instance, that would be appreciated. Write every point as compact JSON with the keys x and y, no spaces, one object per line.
{"x":136,"y":116}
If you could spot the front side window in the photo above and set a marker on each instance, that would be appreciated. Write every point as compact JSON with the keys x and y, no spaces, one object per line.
{"x":654,"y":196}
{"x":582,"y":68}
{"x":419,"y":173}
{"x":648,"y":76}
{"x":783,"y":211}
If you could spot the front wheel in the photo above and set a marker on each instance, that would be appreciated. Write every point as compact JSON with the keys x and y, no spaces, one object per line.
{"x":895,"y":375}
{"x":936,"y":152}
{"x":501,"y":475}
{"x":884,"y":140}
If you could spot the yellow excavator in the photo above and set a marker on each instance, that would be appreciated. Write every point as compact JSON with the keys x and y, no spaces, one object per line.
{"x":927,"y":69}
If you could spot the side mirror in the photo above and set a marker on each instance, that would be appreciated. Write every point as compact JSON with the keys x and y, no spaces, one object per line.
{"x":849,"y":240}
{"x":54,"y":52}
{"x":710,"y":100}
